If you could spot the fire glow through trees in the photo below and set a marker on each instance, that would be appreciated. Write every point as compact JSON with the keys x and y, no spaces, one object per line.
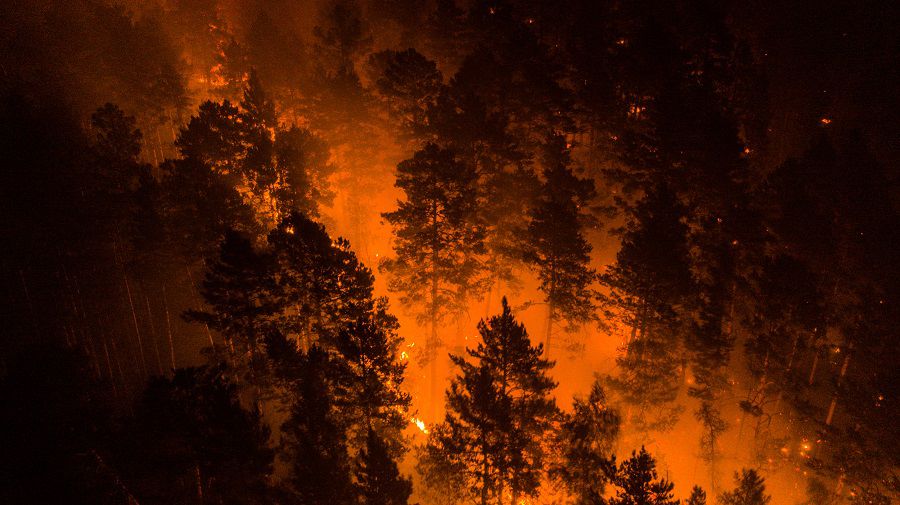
{"x":449,"y":252}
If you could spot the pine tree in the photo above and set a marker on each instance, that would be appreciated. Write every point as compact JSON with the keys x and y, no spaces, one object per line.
{"x":639,"y":484}
{"x":698,"y":496}
{"x":309,"y":288}
{"x":713,"y":427}
{"x":750,"y":490}
{"x":113,"y":170}
{"x":650,"y":282}
{"x":499,"y":413}
{"x":649,"y":287}
{"x":116,"y":137}
{"x":437,"y":240}
{"x":238,"y":289}
{"x":258,"y":122}
{"x":277,"y":169}
{"x":320,"y":285}
{"x":313,"y":438}
{"x":302,"y":172}
{"x":586,"y":441}
{"x":510,"y":190}
{"x":378,"y":481}
{"x":214,"y":137}
{"x":342,"y":35}
{"x":409,"y":84}
{"x":370,"y":381}
{"x":557,"y":248}
{"x":200,"y":206}
{"x":196,"y":439}
{"x":443,"y":476}
{"x":830,"y":212}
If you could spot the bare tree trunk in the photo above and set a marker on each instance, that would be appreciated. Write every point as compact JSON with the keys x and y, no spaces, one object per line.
{"x":199,"y":485}
{"x":196,"y":296}
{"x":169,"y":328}
{"x":153,"y":336}
{"x":815,"y":364}
{"x":834,"y":398}
{"x":487,"y":302}
{"x":137,"y":330}
{"x":112,"y":379}
{"x":89,"y":343}
{"x":115,"y":353}
{"x":433,"y":348}
{"x":840,"y":486}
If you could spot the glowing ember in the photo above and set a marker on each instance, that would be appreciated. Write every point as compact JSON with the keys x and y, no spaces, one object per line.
{"x":419,"y":424}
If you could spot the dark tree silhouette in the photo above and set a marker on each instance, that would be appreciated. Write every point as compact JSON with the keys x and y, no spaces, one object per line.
{"x":750,"y":490}
{"x":499,"y":414}
{"x":650,"y":287}
{"x":320,"y":285}
{"x":312,"y":290}
{"x":437,"y":268}
{"x":199,"y":207}
{"x":557,"y":248}
{"x":56,"y":423}
{"x":313,"y":437}
{"x":379,"y":482}
{"x":237,"y":288}
{"x":409,"y":83}
{"x":639,"y":484}
{"x":586,"y":441}
{"x":196,"y":443}
{"x":284,"y":169}
{"x":698,"y":496}
{"x":370,"y":381}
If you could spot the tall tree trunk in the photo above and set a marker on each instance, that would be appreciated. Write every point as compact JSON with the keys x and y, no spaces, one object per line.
{"x":199,"y":485}
{"x":433,"y":345}
{"x":115,"y":354}
{"x":196,"y":296}
{"x":89,"y":343}
{"x":433,"y":349}
{"x":548,"y":338}
{"x":169,"y":328}
{"x":137,"y":329}
{"x":815,"y":365}
{"x":487,"y":301}
{"x":834,"y":398}
{"x":153,"y":336}
{"x":551,"y":295}
{"x":112,"y":379}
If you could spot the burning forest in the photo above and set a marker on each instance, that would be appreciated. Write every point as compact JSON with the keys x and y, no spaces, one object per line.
{"x":449,"y":252}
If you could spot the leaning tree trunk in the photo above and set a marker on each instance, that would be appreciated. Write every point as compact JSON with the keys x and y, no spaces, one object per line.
{"x":834,"y":399}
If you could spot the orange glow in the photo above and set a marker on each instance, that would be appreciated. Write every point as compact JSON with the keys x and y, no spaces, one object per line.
{"x":419,"y":424}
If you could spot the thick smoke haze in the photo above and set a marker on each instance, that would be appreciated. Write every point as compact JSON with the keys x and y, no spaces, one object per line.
{"x":251,"y":249}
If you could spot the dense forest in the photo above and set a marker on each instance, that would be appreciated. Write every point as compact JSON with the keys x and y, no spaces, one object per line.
{"x":447,"y":252}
